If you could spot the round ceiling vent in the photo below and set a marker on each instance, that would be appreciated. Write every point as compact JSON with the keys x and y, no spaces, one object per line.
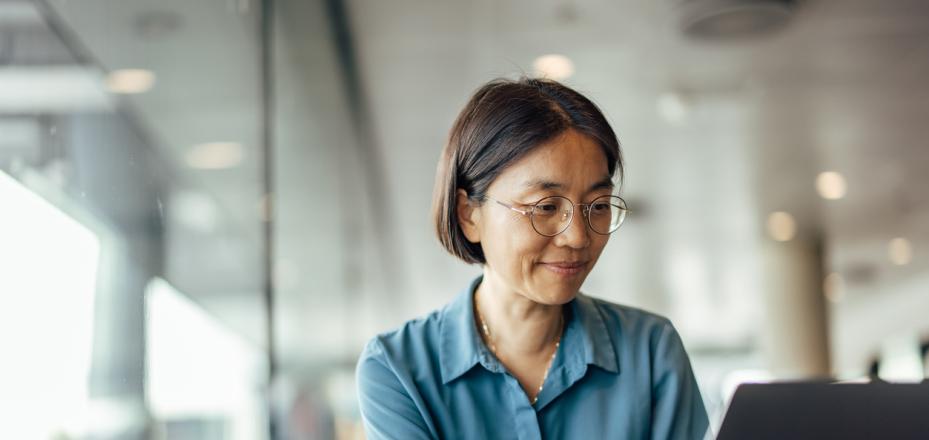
{"x":729,"y":19}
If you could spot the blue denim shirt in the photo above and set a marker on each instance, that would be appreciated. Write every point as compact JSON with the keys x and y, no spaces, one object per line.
{"x":620,"y":373}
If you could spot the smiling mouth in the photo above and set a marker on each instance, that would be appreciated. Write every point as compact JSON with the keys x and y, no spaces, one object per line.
{"x":566,"y":268}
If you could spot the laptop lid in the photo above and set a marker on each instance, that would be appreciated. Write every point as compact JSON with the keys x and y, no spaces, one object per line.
{"x":849,"y":411}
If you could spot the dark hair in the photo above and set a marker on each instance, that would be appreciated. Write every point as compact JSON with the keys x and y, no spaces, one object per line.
{"x":502,"y":122}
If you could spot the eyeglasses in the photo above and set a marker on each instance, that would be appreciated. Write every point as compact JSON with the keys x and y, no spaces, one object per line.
{"x":552,"y":215}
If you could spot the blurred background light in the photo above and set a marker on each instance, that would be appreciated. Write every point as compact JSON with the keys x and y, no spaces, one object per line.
{"x":46,"y":322}
{"x":672,"y":107}
{"x":834,"y":287}
{"x":901,"y":360}
{"x":900,"y":251}
{"x":781,"y":226}
{"x":130,"y":81}
{"x":50,"y":89}
{"x":196,"y":367}
{"x":194,"y":210}
{"x":215,"y":155}
{"x":554,"y":66}
{"x":830,"y":185}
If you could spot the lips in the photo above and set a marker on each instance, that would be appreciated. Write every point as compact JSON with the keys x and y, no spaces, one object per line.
{"x":566,"y":268}
{"x":566,"y":264}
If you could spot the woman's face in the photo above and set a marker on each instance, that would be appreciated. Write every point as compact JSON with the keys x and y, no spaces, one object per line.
{"x":547,"y":270}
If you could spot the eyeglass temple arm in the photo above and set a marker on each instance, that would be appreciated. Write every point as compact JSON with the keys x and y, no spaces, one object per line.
{"x":511,"y":207}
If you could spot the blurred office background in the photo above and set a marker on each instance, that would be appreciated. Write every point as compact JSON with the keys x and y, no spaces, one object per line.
{"x":207,"y":207}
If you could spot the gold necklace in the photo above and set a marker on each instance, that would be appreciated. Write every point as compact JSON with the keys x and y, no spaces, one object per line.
{"x":493,"y":347}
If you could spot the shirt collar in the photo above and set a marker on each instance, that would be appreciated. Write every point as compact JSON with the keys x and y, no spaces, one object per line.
{"x":460,"y":343}
{"x":460,"y":349}
{"x":596,"y":340}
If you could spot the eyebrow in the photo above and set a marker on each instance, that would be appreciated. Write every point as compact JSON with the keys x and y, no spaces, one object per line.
{"x":545,"y":184}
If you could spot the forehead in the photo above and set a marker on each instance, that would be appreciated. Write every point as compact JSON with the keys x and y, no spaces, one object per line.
{"x":569,"y":160}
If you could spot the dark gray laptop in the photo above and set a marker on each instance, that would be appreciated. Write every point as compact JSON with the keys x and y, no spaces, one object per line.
{"x":851,"y":411}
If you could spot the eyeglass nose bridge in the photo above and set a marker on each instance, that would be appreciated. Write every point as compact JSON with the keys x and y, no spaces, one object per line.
{"x":585,"y":211}
{"x":567,"y":215}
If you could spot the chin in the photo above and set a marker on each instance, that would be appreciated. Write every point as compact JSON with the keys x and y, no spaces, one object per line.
{"x":557,"y":293}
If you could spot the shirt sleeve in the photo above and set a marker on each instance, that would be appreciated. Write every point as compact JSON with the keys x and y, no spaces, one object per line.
{"x":387,"y":410}
{"x":677,"y":409}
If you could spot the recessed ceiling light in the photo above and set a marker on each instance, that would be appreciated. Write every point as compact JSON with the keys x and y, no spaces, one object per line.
{"x":733,"y":19}
{"x":130,"y":81}
{"x":215,"y":155}
{"x":830,"y":185}
{"x":781,"y":226}
{"x":553,"y":66}
{"x":900,"y":251}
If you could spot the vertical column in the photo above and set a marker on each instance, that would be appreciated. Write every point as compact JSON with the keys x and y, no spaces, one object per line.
{"x":795,"y":336}
{"x":118,"y":180}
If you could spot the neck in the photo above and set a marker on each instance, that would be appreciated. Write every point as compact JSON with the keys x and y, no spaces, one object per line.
{"x":518,"y":325}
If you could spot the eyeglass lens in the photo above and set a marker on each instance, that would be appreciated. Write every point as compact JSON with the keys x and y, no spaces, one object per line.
{"x":552,"y":215}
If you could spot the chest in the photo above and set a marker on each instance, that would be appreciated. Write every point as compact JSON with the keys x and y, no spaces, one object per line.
{"x":494,"y":405}
{"x":531,"y":373}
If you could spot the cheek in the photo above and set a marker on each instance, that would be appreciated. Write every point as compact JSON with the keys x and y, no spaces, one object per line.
{"x":530,"y":252}
{"x":525,"y":249}
{"x":512,"y":247}
{"x":597,"y":244}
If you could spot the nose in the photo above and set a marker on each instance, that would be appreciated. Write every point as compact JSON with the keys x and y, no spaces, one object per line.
{"x":577,"y":235}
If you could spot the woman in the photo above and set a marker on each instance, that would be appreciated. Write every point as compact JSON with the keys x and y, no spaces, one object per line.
{"x":525,"y":187}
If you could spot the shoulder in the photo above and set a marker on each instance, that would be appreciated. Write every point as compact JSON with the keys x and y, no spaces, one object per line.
{"x":631,"y":321}
{"x":646,"y":342}
{"x":388,"y":381}
{"x":641,"y":336}
{"x":414,"y":342}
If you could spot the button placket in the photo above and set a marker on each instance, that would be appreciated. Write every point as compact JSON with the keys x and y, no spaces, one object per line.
{"x":525,"y":416}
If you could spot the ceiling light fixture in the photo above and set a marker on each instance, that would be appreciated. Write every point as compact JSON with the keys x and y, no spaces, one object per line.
{"x":215,"y":155}
{"x":830,"y":185}
{"x":130,"y":81}
{"x":733,"y":19}
{"x":553,"y":66}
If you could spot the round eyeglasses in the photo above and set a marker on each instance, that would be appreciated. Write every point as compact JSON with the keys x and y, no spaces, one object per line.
{"x":552,"y":215}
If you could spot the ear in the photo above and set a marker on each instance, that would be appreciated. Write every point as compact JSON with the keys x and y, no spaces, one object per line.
{"x":469,"y":215}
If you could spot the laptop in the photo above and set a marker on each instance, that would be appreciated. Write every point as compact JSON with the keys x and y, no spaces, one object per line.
{"x":848,"y":411}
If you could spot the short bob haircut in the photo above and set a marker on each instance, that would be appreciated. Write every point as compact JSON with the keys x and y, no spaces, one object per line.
{"x":503,"y":121}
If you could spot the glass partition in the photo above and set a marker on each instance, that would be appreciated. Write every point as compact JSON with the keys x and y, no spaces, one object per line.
{"x":132,"y":225}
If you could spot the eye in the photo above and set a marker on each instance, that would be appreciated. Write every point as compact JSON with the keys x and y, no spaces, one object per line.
{"x":600,"y":208}
{"x":546,"y":208}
